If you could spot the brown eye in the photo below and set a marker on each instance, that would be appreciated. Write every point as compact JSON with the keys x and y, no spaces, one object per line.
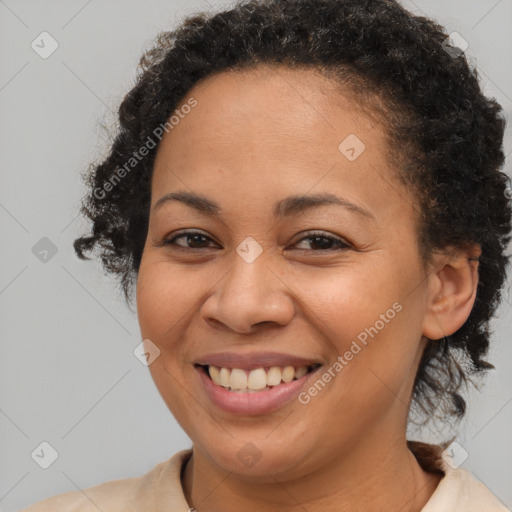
{"x":196,"y":239}
{"x":325,"y":242}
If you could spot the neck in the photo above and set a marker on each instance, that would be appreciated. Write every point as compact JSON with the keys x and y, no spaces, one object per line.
{"x":372,"y":476}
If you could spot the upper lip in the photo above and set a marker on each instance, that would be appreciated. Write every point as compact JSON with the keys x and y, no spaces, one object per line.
{"x":252,"y":360}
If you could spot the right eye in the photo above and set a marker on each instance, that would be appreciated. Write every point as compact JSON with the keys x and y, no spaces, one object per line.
{"x":195,"y":236}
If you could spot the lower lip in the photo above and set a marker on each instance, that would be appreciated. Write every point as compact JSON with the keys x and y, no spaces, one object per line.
{"x":261,"y":402}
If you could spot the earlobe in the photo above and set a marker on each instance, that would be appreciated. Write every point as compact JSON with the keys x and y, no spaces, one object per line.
{"x":453,"y":283}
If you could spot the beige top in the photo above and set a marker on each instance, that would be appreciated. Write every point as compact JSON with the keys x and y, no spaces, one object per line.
{"x":160,"y":490}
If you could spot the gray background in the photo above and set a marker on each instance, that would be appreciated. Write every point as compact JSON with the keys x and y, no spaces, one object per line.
{"x":68,"y":374}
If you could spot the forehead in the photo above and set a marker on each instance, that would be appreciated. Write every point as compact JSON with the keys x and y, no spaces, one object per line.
{"x":294,"y":102}
{"x":273,"y":131}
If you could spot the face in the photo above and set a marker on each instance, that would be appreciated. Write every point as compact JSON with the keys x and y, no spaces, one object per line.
{"x":336,"y":284}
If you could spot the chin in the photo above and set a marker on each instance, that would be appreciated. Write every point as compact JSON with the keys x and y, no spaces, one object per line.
{"x":259,"y":460}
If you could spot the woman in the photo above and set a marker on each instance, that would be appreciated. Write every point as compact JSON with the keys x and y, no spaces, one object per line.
{"x":308,"y":197}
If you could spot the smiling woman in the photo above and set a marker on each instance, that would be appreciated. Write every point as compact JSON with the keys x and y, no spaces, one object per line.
{"x":317,"y":247}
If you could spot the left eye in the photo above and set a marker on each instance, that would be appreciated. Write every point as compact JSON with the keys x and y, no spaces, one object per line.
{"x":320,"y":239}
{"x":317,"y":239}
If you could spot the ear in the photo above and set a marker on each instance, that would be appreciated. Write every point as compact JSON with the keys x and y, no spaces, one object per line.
{"x":452,"y":285}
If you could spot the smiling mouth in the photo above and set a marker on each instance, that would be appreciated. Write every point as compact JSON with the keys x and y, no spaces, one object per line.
{"x":256,"y":380}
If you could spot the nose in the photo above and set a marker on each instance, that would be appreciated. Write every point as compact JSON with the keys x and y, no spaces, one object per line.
{"x":248,"y":295}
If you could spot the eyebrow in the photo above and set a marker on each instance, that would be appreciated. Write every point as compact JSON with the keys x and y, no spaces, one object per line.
{"x":284,"y":208}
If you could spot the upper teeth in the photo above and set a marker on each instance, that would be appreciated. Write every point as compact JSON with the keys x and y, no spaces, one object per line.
{"x":258,"y":378}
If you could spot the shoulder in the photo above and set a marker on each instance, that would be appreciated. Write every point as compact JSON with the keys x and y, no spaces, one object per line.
{"x":458,"y":489}
{"x":124,"y":495}
{"x":111,"y":495}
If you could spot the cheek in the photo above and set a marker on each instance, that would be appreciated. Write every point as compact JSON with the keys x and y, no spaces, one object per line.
{"x":346,"y":301}
{"x":371,"y":320}
{"x":165,"y":298}
{"x":163,"y":301}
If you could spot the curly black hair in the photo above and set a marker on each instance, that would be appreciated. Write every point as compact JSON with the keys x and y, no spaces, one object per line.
{"x":445,"y":140}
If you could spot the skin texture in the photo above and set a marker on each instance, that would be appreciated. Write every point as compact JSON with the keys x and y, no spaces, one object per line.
{"x":254,"y":138}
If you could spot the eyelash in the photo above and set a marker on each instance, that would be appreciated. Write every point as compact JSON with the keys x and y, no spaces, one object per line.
{"x":342,"y":245}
